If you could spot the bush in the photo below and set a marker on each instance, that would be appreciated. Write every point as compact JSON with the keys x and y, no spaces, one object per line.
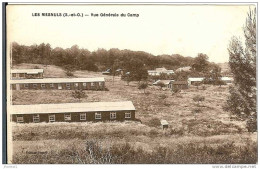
{"x":198,"y":98}
{"x":204,"y":87}
{"x":154,"y":122}
{"x":162,"y":96}
{"x":36,"y":67}
{"x":196,"y":111}
{"x":175,"y":90}
{"x":69,"y":73}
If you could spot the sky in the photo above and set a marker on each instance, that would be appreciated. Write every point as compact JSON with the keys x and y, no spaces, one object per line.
{"x":160,"y":29}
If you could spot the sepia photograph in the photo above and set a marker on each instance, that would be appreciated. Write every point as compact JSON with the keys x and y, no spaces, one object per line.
{"x":129,"y":83}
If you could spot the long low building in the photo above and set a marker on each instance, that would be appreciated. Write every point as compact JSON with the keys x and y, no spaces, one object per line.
{"x":27,"y":73}
{"x":73,"y":112}
{"x":59,"y":84}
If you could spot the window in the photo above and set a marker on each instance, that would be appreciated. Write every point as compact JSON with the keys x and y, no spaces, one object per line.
{"x":36,"y":118}
{"x":19,"y":118}
{"x":67,"y":117}
{"x":128,"y":115}
{"x":67,"y":85}
{"x":21,"y":74}
{"x":84,"y":84}
{"x":100,"y":84}
{"x":43,"y":85}
{"x":13,"y":74}
{"x":51,"y":85}
{"x":112,"y":115}
{"x":76,"y":84}
{"x":83,"y":116}
{"x":52,"y":118}
{"x":26,"y":86}
{"x":92,"y":84}
{"x":34,"y":85}
{"x":97,"y":115}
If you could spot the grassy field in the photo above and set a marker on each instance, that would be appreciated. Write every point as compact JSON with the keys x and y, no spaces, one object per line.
{"x":210,"y":131}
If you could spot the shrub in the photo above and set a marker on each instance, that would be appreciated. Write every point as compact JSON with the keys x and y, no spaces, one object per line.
{"x":198,"y":98}
{"x":204,"y":87}
{"x":69,"y":73}
{"x":196,"y":110}
{"x":153,"y":133}
{"x":163,"y":96}
{"x":79,"y":94}
{"x":175,"y":90}
{"x":143,"y":86}
{"x":36,"y":67}
{"x":154,"y":122}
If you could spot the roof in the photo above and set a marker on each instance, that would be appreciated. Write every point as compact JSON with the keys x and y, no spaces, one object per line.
{"x":160,"y":69}
{"x":29,"y":71}
{"x":166,"y":82}
{"x":180,"y":83}
{"x":57,"y":80}
{"x":164,"y":122}
{"x":187,"y":68}
{"x":71,"y":107}
{"x":226,"y":78}
{"x":196,"y":79}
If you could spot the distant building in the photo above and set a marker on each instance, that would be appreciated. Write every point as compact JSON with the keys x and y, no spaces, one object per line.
{"x":194,"y":80}
{"x":27,"y":73}
{"x":180,"y":85}
{"x":164,"y":124}
{"x":167,"y":83}
{"x":107,"y":72}
{"x":159,"y":71}
{"x":227,"y":79}
{"x":183,"y":69}
{"x":59,"y":84}
{"x":73,"y":112}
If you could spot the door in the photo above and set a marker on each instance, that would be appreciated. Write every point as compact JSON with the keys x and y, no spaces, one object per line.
{"x":59,"y":86}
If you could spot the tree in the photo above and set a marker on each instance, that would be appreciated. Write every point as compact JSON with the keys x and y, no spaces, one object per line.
{"x":214,"y":76}
{"x":143,"y":85}
{"x":79,"y":94}
{"x":201,"y":63}
{"x":69,"y":70}
{"x":242,"y":61}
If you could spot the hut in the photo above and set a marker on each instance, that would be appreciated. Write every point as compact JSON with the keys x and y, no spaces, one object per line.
{"x":167,"y":83}
{"x":195,"y":80}
{"x":159,"y":71}
{"x":59,"y":84}
{"x":27,"y":73}
{"x":227,"y":79}
{"x":73,"y":112}
{"x":164,"y":124}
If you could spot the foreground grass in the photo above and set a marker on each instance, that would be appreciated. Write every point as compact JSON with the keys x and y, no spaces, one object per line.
{"x":127,"y":142}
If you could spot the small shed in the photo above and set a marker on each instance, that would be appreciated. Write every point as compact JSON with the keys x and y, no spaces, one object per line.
{"x":164,"y":124}
{"x":167,"y":83}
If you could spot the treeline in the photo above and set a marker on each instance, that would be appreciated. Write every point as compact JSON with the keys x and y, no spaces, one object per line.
{"x":98,"y":60}
{"x":136,"y":62}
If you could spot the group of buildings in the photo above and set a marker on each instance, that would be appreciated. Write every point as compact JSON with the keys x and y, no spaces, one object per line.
{"x":172,"y":84}
{"x":32,"y":79}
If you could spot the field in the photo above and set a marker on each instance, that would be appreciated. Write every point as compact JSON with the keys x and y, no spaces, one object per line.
{"x":208,"y":136}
